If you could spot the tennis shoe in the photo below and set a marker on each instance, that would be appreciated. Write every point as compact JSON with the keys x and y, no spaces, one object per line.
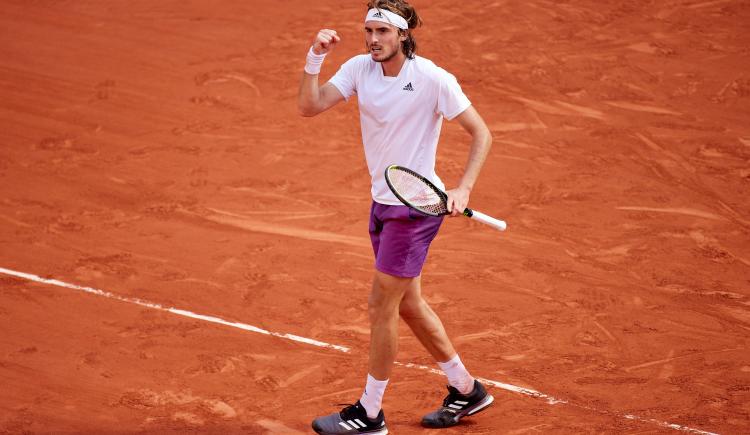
{"x":351,"y":420}
{"x":457,"y":405}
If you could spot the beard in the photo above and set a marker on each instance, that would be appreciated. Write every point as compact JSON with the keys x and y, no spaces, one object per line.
{"x":385,"y":59}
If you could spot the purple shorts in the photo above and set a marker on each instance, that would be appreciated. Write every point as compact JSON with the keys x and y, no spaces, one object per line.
{"x":400,"y":238}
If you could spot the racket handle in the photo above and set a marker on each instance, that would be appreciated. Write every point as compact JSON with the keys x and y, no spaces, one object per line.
{"x":487,"y":220}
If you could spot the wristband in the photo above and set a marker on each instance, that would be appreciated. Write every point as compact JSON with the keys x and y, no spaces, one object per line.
{"x":314,"y":62}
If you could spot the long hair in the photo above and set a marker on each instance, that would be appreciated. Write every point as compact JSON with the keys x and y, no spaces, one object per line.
{"x":403,"y":8}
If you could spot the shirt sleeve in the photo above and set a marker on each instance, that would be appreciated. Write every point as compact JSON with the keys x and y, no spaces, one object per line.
{"x":345,"y":79}
{"x":451,"y":99}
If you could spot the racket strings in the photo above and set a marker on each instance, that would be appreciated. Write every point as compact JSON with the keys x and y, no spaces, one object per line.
{"x":417,"y":192}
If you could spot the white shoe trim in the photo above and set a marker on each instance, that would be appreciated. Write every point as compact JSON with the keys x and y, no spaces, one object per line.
{"x":487,"y":401}
{"x":358,"y":421}
{"x":354,"y":424}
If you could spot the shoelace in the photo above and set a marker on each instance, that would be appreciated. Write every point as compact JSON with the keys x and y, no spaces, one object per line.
{"x":449,"y":399}
{"x":348,"y":409}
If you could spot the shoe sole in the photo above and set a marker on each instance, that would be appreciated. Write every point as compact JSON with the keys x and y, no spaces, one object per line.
{"x":379,"y":432}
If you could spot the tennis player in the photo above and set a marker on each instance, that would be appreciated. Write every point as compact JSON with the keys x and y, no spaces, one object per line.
{"x":403,"y":99}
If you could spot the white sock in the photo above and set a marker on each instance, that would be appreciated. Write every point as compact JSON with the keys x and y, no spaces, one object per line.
{"x":458,"y":377}
{"x":372,"y":398}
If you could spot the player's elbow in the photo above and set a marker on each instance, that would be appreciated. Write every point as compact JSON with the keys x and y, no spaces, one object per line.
{"x":484,"y":134}
{"x":307,"y":110}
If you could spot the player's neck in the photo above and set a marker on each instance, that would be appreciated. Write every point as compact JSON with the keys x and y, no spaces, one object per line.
{"x":392,"y":66}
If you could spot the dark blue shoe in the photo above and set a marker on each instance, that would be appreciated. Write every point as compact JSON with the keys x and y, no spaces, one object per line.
{"x":456,"y":405}
{"x":351,"y":420}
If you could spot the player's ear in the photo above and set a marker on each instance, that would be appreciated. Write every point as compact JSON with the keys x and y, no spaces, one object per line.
{"x":402,"y":35}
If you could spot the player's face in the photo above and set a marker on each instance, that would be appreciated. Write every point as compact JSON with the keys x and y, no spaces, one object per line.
{"x":383,"y":40}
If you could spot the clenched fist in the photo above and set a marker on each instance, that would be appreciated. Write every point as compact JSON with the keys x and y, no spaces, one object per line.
{"x":325,"y":41}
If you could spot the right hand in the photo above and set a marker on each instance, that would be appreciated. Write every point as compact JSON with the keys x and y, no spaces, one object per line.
{"x":325,"y":41}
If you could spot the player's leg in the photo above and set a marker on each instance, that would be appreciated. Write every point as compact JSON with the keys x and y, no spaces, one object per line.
{"x":358,"y":419}
{"x":425,"y":324}
{"x":366,"y":416}
{"x":466,"y":396}
{"x":385,"y":299}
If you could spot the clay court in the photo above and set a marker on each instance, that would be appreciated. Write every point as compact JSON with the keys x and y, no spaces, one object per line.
{"x":181,"y":252}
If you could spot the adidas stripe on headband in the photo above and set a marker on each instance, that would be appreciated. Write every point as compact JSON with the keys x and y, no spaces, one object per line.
{"x":387,"y":17}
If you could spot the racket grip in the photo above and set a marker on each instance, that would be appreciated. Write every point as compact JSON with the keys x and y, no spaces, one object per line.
{"x":487,"y":220}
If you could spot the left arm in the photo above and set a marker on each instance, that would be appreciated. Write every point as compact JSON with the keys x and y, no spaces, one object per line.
{"x":481,"y":143}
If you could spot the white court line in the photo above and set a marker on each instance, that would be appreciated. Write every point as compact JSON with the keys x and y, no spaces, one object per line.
{"x":508,"y":387}
{"x":177,"y":311}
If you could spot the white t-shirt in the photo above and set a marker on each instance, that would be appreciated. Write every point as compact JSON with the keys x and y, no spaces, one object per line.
{"x":400,"y":116}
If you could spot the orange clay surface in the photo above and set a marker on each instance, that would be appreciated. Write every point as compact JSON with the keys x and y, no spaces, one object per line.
{"x":153,"y":150}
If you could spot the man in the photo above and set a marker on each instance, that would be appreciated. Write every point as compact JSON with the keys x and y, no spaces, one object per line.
{"x":402,"y":101}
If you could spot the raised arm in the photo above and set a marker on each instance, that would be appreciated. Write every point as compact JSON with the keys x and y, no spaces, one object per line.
{"x":312,"y":98}
{"x":481,"y":142}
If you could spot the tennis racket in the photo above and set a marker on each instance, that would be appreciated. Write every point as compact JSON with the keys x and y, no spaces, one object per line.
{"x":420,"y":194}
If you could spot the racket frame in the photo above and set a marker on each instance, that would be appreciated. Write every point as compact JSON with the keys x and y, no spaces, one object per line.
{"x":443,"y":196}
{"x":481,"y":217}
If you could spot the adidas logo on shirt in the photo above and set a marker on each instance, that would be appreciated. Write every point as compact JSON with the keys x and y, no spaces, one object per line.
{"x":408,"y":87}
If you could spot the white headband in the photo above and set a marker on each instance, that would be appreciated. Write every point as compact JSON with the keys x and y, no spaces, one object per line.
{"x":387,"y":17}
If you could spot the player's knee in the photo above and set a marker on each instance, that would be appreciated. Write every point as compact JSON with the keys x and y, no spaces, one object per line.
{"x":411,"y":309}
{"x":383,"y":304}
{"x":378,"y":304}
